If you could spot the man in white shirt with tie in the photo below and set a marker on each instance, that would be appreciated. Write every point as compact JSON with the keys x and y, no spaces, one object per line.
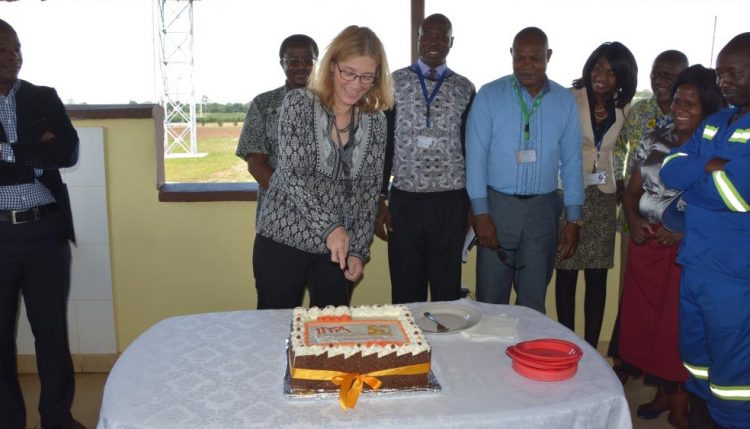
{"x":424,"y":217}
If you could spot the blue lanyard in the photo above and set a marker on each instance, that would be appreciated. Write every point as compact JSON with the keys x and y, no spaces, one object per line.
{"x":598,"y":142}
{"x":429,"y":97}
{"x":599,"y":137}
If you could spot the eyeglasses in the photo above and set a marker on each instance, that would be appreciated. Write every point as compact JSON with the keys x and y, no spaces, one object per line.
{"x":293,"y":61}
{"x":365,"y":79}
{"x":503,"y":256}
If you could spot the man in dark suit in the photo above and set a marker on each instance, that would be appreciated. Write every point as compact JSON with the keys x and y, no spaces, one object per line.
{"x":36,"y":139}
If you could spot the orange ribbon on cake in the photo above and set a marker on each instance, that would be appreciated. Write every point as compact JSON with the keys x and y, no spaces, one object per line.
{"x":351,"y":383}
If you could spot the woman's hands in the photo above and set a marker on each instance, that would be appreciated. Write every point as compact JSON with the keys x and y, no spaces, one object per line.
{"x":640,"y":229}
{"x":666,"y":238}
{"x":354,"y":268}
{"x":338,"y":243}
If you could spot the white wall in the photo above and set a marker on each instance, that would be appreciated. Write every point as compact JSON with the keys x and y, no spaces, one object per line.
{"x":91,"y":327}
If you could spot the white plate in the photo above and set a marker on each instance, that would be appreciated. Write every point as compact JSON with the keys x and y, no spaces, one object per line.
{"x":455,"y":317}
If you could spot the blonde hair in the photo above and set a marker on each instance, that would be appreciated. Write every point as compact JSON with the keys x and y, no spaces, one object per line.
{"x":355,"y":41}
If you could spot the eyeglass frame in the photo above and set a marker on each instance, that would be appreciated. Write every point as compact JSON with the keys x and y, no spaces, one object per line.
{"x":503,"y":257}
{"x":354,"y":76}
{"x":306,"y":61}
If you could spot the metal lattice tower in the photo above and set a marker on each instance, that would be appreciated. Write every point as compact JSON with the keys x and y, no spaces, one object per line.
{"x":175,"y":28}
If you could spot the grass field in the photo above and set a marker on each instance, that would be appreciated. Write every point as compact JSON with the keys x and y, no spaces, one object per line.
{"x":220,"y":165}
{"x":225,"y":118}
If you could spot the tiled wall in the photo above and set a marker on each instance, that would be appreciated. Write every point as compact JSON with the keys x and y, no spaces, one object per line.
{"x":91,"y":326}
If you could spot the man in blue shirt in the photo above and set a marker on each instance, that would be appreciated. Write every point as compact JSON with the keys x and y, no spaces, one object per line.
{"x":522,"y":136}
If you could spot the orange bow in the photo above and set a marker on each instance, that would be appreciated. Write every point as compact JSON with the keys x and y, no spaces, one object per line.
{"x":350,"y":386}
{"x":351,"y":383}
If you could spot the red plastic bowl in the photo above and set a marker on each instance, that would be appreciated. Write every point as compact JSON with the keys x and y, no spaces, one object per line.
{"x":549,"y":350}
{"x":545,"y":374}
{"x":513,"y":354}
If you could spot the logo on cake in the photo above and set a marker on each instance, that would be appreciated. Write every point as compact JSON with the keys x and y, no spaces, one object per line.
{"x":333,"y":330}
{"x":354,"y":332}
{"x":344,"y":331}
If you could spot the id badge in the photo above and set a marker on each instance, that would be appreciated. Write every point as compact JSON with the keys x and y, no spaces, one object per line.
{"x":424,"y":142}
{"x":526,"y":156}
{"x":596,"y":178}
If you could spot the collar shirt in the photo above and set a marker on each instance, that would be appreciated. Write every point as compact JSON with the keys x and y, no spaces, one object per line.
{"x":428,"y":138}
{"x":8,"y":119}
{"x":26,"y":195}
{"x":502,"y":154}
{"x":439,"y":70}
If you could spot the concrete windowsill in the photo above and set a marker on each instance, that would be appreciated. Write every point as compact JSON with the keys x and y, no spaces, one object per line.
{"x":205,"y":192}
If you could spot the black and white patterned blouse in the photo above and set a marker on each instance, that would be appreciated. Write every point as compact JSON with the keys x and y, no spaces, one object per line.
{"x":652,"y":150}
{"x":316,"y":187}
{"x":441,"y":166}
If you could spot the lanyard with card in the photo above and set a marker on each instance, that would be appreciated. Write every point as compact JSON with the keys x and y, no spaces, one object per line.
{"x":525,"y":110}
{"x":597,"y":177}
{"x":429,"y":97}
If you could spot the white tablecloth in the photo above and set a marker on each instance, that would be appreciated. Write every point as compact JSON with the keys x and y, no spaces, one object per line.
{"x":225,"y":370}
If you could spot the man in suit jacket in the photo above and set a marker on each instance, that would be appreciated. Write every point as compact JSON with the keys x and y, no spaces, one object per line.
{"x":36,"y":139}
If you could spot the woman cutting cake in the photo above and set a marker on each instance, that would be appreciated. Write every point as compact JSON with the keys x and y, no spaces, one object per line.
{"x":317,"y":220}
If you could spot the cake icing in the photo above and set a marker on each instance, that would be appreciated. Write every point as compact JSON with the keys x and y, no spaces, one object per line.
{"x":377,"y":329}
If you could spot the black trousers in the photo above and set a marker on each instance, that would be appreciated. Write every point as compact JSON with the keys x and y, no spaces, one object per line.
{"x":593,"y":305}
{"x":35,"y":262}
{"x":282,"y":272}
{"x":425,"y":245}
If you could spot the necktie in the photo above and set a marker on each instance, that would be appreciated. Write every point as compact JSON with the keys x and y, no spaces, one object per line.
{"x":432,"y":74}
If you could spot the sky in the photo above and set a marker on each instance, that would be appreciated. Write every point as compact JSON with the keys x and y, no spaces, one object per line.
{"x":106,"y":51}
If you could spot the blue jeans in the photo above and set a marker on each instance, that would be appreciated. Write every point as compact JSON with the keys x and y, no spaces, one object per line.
{"x":528,"y":231}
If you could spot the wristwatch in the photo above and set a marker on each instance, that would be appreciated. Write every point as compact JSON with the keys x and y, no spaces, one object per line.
{"x":578,"y":222}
